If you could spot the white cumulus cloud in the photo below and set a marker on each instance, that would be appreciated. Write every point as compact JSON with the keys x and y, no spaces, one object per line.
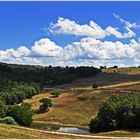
{"x":114,"y":31}
{"x":22,"y":51}
{"x":89,"y":48}
{"x":45,"y":47}
{"x":127,"y":23}
{"x":66,"y":26}
{"x":88,"y":51}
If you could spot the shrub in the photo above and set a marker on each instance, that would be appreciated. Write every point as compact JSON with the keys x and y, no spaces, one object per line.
{"x":119,"y":112}
{"x":46,"y":103}
{"x":8,"y":120}
{"x":22,"y":114}
{"x":55,"y":94}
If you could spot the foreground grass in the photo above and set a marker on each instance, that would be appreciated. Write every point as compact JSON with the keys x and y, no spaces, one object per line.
{"x":120,"y":133}
{"x":9,"y":131}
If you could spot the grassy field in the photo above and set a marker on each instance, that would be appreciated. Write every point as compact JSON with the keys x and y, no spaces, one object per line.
{"x":106,"y":78}
{"x":14,"y":132}
{"x":76,"y":106}
{"x":121,"y":133}
{"x":9,"y":131}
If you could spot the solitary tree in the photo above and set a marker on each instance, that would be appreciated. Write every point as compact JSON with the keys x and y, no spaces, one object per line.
{"x":46,"y":103}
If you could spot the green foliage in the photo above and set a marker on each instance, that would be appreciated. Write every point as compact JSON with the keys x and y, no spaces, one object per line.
{"x":26,"y":106}
{"x":16,"y":94}
{"x":3,"y":108}
{"x":41,"y":76}
{"x":119,"y":112}
{"x":55,"y":94}
{"x":94,"y":86}
{"x":22,"y":114}
{"x":46,"y":103}
{"x":8,"y":120}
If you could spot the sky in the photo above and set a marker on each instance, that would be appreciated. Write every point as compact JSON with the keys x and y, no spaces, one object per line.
{"x":70,"y":33}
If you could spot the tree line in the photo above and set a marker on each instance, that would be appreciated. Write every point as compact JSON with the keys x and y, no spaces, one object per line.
{"x":19,"y":82}
{"x":45,"y":76}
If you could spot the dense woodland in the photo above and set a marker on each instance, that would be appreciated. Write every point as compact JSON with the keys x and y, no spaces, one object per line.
{"x":118,"y":113}
{"x":45,"y":76}
{"x":18,"y":82}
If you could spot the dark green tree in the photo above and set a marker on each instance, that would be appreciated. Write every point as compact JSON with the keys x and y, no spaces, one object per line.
{"x":119,"y":112}
{"x":21,"y":114}
{"x":45,"y":104}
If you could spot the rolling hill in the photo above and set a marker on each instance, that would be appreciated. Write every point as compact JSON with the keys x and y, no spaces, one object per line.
{"x":79,"y":100}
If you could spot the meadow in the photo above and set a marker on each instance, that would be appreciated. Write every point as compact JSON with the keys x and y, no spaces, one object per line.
{"x":78,"y":102}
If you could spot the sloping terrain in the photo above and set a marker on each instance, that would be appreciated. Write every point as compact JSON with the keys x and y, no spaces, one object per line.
{"x":107,"y":77}
{"x":78,"y":102}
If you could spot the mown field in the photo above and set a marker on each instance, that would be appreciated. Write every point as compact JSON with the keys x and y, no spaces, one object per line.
{"x":79,"y":102}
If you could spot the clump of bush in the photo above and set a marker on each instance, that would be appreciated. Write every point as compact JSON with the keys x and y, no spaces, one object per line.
{"x":45,"y":104}
{"x":119,"y":112}
{"x":22,"y":114}
{"x":94,"y":86}
{"x":8,"y":120}
{"x":55,"y":94}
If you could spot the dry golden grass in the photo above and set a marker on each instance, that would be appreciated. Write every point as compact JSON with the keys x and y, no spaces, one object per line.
{"x":74,"y":107}
{"x":130,"y":71}
{"x":120,"y":133}
{"x":77,"y":106}
{"x":107,"y":77}
{"x":9,"y":131}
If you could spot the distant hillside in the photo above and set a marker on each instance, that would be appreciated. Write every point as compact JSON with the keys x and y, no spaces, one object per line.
{"x":109,"y":76}
{"x":45,"y":76}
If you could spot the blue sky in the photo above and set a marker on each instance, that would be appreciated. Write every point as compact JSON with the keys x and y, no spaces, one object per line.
{"x":24,"y":23}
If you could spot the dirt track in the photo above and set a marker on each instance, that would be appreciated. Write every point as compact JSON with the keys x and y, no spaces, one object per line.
{"x":77,"y":136}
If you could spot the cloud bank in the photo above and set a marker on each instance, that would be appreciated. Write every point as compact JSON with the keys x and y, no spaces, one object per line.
{"x":89,"y":49}
{"x":92,"y":49}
